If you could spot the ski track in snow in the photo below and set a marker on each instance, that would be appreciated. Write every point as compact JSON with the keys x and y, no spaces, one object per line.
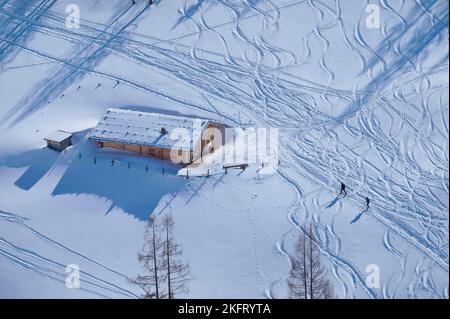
{"x":267,"y":94}
{"x":20,"y":32}
{"x":53,"y":269}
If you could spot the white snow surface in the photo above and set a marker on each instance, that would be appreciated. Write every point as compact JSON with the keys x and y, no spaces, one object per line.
{"x":364,"y":106}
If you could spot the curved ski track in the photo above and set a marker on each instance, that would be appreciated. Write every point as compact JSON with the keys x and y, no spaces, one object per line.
{"x":258,"y":86}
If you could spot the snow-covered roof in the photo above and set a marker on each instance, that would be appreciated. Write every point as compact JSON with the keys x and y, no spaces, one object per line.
{"x":143,"y":128}
{"x":58,"y":136}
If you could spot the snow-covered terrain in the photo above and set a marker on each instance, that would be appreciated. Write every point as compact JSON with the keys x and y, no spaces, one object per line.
{"x":353,"y":103}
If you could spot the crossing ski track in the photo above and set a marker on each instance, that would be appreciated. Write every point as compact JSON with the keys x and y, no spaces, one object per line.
{"x":20,"y":32}
{"x":55,"y":270}
{"x":404,"y":199}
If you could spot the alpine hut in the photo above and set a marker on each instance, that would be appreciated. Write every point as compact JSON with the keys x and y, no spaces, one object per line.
{"x":149,"y":133}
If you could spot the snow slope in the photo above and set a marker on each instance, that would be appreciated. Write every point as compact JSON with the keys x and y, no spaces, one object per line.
{"x":368,"y":107}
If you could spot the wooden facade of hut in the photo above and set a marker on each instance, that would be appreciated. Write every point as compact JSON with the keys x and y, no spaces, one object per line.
{"x":59,"y":140}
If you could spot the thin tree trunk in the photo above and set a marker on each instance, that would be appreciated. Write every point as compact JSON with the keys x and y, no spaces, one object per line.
{"x":305,"y":272}
{"x":311,"y":291}
{"x":154,"y":260}
{"x":169,"y":291}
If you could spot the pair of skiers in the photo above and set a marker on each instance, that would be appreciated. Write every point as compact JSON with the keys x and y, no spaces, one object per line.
{"x":343,"y":191}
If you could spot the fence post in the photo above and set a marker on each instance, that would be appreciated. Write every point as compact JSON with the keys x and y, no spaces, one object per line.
{"x":187,"y":173}
{"x":112,"y":162}
{"x":128,"y":165}
{"x":95,"y":159}
{"x":162,"y":170}
{"x":79,"y":155}
{"x":146,"y":167}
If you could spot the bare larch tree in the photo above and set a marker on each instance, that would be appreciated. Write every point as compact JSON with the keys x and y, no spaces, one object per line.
{"x":164,"y":275}
{"x":151,"y":259}
{"x":298,"y":279}
{"x":176,"y":271}
{"x":308,"y":278}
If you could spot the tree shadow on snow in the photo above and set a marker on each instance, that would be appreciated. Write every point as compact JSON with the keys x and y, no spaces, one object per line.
{"x":189,"y":12}
{"x":82,"y":60}
{"x":423,"y":33}
{"x":20,"y":34}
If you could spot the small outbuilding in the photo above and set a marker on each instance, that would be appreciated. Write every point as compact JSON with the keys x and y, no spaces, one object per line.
{"x":59,"y":140}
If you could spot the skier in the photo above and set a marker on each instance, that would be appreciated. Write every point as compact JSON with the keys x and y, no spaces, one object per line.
{"x":343,"y":189}
{"x":367,"y":202}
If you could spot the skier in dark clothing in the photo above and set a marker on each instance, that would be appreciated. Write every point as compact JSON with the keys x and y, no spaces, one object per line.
{"x":367,"y":202}
{"x":343,"y":190}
